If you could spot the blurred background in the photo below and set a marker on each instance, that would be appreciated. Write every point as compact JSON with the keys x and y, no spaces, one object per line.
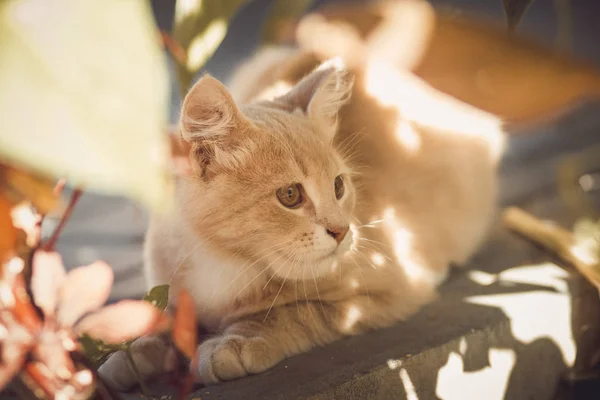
{"x":112,"y":228}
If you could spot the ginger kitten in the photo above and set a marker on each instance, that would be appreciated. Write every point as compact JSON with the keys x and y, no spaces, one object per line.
{"x":317,"y":208}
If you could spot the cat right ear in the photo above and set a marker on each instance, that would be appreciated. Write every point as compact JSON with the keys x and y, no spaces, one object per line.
{"x":322,"y":93}
{"x":212,"y":126}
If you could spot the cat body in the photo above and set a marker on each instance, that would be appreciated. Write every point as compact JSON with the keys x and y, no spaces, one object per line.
{"x":324,"y":203}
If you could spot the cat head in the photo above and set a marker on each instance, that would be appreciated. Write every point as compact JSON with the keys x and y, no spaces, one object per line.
{"x":265,"y":182}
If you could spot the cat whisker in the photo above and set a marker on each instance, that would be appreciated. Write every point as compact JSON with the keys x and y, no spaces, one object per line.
{"x":257,"y":275}
{"x":277,"y":295}
{"x":275,"y":248}
{"x":317,"y":287}
{"x":371,"y":224}
{"x":358,"y":252}
{"x":275,"y":273}
{"x":362,"y":277}
{"x":217,"y":289}
{"x":375,"y":242}
{"x":306,"y":292}
{"x":188,"y":255}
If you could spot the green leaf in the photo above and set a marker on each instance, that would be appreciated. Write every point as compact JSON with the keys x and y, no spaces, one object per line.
{"x":84,"y":94}
{"x":280,"y":16}
{"x":514,"y":10}
{"x":96,"y":351}
{"x":199,"y":27}
{"x":158,"y":296}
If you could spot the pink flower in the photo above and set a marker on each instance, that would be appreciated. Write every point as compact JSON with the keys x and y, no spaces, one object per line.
{"x":74,"y":300}
{"x":72,"y":305}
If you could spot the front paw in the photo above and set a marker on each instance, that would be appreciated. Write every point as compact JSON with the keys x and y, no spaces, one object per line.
{"x":230,"y":357}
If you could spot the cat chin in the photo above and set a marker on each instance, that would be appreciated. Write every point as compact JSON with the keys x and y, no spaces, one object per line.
{"x":310,"y":270}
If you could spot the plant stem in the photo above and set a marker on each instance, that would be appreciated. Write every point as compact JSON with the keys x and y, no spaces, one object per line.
{"x":51,"y":242}
{"x":136,"y":371}
{"x":552,"y":237}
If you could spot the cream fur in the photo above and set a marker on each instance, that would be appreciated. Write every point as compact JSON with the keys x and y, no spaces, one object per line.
{"x":270,"y":282}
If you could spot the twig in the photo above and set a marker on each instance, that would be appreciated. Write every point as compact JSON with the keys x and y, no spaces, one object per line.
{"x":51,"y":242}
{"x":174,"y":48}
{"x":136,"y":371}
{"x":552,"y":237}
{"x":59,"y":187}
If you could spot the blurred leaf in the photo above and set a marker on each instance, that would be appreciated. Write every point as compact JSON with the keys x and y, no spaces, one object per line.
{"x":514,"y":11}
{"x":96,"y":351}
{"x":19,"y":186}
{"x":280,"y":18}
{"x":158,"y":296}
{"x":185,"y":327}
{"x":84,"y":90}
{"x":200,"y":26}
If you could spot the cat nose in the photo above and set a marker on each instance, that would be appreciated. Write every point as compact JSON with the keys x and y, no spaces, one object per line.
{"x":338,"y":233}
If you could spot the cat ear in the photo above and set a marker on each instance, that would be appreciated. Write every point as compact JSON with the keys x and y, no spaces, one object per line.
{"x":212,"y":125}
{"x":322,"y":93}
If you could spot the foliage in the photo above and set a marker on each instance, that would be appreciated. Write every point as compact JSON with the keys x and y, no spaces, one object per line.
{"x":280,"y":18}
{"x":80,"y":74}
{"x":200,"y":27}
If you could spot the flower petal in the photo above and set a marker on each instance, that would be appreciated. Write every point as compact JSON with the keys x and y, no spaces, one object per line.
{"x":85,"y":289}
{"x":117,"y":323}
{"x":47,"y":277}
{"x":50,"y":351}
{"x":9,"y":368}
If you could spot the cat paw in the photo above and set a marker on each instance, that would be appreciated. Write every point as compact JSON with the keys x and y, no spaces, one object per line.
{"x":230,"y":357}
{"x":152,"y":356}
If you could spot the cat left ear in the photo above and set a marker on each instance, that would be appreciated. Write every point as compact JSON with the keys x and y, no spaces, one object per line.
{"x":322,"y":93}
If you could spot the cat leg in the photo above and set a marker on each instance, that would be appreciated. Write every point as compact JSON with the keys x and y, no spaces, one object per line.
{"x":258,"y":342}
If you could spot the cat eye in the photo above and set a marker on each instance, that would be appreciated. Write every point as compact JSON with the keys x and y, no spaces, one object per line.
{"x":338,"y":186}
{"x":290,"y":196}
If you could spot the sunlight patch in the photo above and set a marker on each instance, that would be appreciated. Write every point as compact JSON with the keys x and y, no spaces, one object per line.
{"x":409,"y":388}
{"x":353,"y":315}
{"x":488,"y":383}
{"x":537,"y":313}
{"x":403,"y":250}
{"x":202,"y":45}
{"x":408,"y":137}
{"x":482,"y":278}
{"x":185,"y":7}
{"x":378,"y":259}
{"x":417,"y":101}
